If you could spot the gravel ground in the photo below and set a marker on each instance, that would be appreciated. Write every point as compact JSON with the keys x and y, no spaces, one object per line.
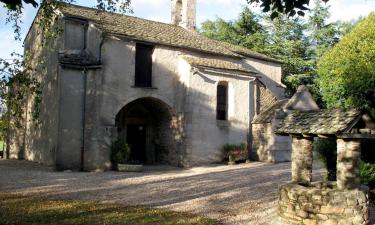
{"x":240,"y":194}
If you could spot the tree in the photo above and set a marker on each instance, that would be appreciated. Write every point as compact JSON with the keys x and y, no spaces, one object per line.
{"x":246,"y":31}
{"x":346,"y":73}
{"x":287,"y":7}
{"x":289,"y":43}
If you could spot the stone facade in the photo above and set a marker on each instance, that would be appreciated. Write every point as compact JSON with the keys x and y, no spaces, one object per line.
{"x":322,"y":204}
{"x":90,"y":81}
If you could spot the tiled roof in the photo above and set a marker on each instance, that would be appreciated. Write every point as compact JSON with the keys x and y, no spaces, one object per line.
{"x":269,"y":113}
{"x":216,"y":63}
{"x":323,"y":122}
{"x":156,"y":32}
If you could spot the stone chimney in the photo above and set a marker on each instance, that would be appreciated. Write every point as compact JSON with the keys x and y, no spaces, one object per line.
{"x":184,"y":13}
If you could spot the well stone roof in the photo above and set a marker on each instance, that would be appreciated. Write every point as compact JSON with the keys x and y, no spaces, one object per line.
{"x":157,"y":32}
{"x":319,"y":122}
{"x":217,"y":64}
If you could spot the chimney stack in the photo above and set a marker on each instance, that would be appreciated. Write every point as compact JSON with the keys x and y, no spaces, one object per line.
{"x":184,"y":13}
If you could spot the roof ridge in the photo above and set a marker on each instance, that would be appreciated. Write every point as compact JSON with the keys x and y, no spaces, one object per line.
{"x":157,"y":32}
{"x":117,"y":14}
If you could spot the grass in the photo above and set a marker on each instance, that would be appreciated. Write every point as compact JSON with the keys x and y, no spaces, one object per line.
{"x":19,"y":209}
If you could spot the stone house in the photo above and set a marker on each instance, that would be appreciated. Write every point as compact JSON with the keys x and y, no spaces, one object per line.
{"x":266,"y":145}
{"x":174,"y":96}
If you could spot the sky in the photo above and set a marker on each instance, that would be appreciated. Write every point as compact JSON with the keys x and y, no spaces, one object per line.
{"x":159,"y":10}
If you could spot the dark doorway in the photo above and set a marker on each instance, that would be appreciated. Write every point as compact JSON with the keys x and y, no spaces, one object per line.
{"x":136,"y":139}
{"x":146,"y":126}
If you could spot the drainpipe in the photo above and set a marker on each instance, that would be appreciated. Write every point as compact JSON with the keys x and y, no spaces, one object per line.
{"x":83,"y":120}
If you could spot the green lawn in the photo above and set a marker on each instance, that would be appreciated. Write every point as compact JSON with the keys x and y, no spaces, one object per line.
{"x":18,"y":209}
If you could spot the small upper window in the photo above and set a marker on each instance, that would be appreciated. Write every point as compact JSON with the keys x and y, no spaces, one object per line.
{"x":143,"y":65}
{"x":222,"y":101}
{"x":75,"y":35}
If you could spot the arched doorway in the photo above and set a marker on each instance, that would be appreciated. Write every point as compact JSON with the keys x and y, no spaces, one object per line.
{"x":146,"y":126}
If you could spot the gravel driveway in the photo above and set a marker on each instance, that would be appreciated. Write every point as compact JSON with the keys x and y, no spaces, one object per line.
{"x":240,"y":194}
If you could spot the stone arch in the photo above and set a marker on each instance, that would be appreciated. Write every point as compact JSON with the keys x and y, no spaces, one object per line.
{"x":148,"y":125}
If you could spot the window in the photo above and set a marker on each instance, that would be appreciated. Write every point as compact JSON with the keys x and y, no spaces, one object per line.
{"x":222,"y":101}
{"x":75,"y":34}
{"x":143,"y":65}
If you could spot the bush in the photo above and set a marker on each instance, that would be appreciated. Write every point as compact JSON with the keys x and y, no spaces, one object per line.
{"x":367,"y":173}
{"x":120,"y":152}
{"x":327,"y":151}
{"x":233,"y":149}
{"x":346,"y":72}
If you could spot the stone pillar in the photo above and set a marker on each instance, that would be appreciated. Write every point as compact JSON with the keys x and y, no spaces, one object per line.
{"x":348,"y":158}
{"x":302,"y":160}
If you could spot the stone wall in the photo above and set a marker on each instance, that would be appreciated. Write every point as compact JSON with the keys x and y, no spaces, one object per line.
{"x":267,"y":146}
{"x":322,"y":204}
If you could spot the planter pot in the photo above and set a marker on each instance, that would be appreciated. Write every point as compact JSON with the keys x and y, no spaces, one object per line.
{"x":240,"y":157}
{"x":232,"y":160}
{"x":129,"y":168}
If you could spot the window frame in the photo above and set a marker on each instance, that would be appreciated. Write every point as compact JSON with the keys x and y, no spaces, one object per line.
{"x":222,"y":101}
{"x":77,"y":22}
{"x":143,"y":65}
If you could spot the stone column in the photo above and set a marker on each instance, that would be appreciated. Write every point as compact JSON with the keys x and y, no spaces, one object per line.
{"x":348,"y":157}
{"x":302,"y":160}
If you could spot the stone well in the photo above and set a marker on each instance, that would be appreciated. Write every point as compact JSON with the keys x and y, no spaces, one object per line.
{"x":325,"y":203}
{"x":322,"y":204}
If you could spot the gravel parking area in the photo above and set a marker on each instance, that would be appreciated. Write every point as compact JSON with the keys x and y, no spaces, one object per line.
{"x":240,"y":194}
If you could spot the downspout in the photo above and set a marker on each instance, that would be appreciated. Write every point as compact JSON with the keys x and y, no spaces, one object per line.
{"x":252,"y":113}
{"x":83,"y":120}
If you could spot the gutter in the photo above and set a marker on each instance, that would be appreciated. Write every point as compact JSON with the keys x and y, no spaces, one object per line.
{"x":83,"y":120}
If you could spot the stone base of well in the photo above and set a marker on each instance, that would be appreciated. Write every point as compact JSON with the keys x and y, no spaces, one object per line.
{"x":322,"y":204}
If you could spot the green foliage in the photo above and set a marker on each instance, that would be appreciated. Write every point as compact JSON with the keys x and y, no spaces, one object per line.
{"x":367,"y":173}
{"x":120,"y":152}
{"x":327,"y":153}
{"x":234,"y":149}
{"x":287,"y":7}
{"x":298,"y":43}
{"x":347,"y":71}
{"x":246,"y":31}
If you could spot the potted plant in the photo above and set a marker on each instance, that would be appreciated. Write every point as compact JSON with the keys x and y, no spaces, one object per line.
{"x":120,"y":154}
{"x":234,"y":153}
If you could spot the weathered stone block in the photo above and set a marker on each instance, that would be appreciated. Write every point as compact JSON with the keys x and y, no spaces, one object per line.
{"x":329,"y":222}
{"x":309,"y":222}
{"x":331,"y":210}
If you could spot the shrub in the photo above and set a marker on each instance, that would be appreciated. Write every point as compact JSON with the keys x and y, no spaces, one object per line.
{"x":120,"y":152}
{"x":233,"y":149}
{"x":346,"y":72}
{"x":327,"y":152}
{"x":367,"y":173}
